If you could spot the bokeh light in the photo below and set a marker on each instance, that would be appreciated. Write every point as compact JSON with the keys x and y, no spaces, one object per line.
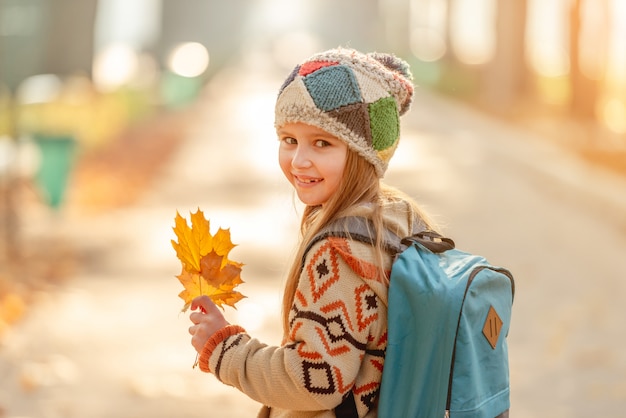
{"x":427,"y":28}
{"x":114,"y":66}
{"x":427,"y":44}
{"x":189,"y":59}
{"x":545,"y":35}
{"x":473,"y":30}
{"x":613,"y":114}
{"x":616,"y":59}
{"x":42,"y":88}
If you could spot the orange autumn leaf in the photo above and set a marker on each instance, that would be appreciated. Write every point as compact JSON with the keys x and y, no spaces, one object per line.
{"x":206,"y":269}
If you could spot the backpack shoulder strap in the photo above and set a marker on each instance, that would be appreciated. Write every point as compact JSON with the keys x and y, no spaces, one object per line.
{"x":351,"y":227}
{"x":432,"y":240}
{"x":360,"y":229}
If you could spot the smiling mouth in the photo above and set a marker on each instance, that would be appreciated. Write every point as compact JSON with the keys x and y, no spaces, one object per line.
{"x":307,"y":180}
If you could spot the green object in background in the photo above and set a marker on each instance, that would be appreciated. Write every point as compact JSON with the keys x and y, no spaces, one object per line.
{"x":178,"y":91}
{"x":57,"y":158}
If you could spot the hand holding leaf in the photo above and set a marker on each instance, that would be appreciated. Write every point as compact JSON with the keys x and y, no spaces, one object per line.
{"x":206,"y":269}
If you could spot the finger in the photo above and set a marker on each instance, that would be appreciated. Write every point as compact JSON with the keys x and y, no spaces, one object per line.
{"x":197,"y":344}
{"x":205,"y":304}
{"x":196,"y":317}
{"x":199,"y":302}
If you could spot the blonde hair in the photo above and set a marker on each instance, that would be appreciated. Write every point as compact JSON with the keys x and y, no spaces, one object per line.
{"x":360,"y":184}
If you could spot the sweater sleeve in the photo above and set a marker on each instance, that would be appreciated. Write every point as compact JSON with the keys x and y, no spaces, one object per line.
{"x":330,"y":328}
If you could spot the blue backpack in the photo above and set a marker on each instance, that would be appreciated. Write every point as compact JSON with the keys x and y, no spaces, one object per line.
{"x":449,"y":313}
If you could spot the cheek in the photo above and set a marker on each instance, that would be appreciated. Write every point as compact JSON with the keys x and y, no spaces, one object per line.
{"x":335,"y":174}
{"x":284,"y":160}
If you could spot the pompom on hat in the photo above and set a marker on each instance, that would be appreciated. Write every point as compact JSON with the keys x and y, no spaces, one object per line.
{"x":356,"y":97}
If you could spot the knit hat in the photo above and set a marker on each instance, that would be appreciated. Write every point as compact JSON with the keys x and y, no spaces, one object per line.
{"x":354,"y":96}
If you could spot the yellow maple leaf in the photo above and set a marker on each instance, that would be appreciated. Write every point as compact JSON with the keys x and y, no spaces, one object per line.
{"x":206,"y":269}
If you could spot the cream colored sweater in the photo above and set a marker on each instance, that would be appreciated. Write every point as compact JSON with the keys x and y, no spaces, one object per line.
{"x":337,"y":338}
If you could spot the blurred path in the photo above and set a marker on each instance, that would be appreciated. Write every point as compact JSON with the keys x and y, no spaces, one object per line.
{"x":112,"y":343}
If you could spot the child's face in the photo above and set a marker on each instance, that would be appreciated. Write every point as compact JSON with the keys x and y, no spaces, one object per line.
{"x":312,"y":160}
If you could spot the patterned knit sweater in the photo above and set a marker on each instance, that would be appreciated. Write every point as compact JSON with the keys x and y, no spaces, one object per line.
{"x":337,"y":337}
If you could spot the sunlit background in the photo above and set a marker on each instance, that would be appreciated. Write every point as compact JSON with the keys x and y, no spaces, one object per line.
{"x":97,"y":96}
{"x":84,"y":74}
{"x":550,"y":65}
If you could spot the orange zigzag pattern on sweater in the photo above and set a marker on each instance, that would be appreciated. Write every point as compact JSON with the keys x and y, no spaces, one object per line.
{"x":311,"y":355}
{"x":333,"y":270}
{"x":338,"y":305}
{"x":364,"y":269}
{"x":342,"y":388}
{"x":294,"y":330}
{"x":362,"y":318}
{"x":368,"y":387}
{"x":301,"y":298}
{"x":332,"y":351}
{"x":377,"y":364}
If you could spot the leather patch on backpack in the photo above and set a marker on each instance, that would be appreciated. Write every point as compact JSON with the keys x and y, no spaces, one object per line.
{"x":492,"y":327}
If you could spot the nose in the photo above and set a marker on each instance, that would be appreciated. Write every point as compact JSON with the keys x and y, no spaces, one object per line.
{"x":301,"y":157}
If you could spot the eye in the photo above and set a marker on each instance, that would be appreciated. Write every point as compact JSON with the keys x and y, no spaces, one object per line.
{"x":289,"y":140}
{"x":322,"y":143}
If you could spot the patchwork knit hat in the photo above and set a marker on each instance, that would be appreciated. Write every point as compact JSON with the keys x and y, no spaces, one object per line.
{"x":354,"y":96}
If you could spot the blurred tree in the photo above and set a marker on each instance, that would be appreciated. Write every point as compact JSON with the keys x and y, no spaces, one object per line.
{"x":450,"y":56}
{"x":21,"y":34}
{"x":20,"y":57}
{"x":68,"y":36}
{"x":506,"y":76}
{"x":458,"y":77}
{"x":38,"y":37}
{"x":584,"y":86}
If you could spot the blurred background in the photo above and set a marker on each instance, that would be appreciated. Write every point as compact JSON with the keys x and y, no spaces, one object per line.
{"x":104,"y":105}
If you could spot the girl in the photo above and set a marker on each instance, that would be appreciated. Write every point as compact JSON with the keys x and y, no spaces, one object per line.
{"x":337,"y":120}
